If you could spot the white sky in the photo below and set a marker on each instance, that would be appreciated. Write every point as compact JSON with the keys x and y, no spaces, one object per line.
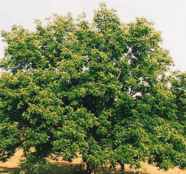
{"x":169,"y":16}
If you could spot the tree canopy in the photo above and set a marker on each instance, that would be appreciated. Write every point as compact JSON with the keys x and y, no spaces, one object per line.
{"x":101,"y":89}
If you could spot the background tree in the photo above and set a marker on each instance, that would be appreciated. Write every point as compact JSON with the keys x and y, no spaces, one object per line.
{"x":99,"y":89}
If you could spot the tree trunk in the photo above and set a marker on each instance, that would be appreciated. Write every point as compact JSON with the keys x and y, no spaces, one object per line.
{"x":122,"y":170}
{"x":89,"y":170}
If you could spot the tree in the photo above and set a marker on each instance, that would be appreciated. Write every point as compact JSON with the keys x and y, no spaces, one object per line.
{"x":98,"y":89}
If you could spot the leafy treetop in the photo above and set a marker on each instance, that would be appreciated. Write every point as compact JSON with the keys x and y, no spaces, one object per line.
{"x":99,"y":89}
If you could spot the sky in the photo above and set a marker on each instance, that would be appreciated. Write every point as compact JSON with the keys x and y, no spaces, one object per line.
{"x":168,"y":16}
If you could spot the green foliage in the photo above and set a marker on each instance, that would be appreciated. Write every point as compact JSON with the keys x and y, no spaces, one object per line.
{"x":179,"y":90}
{"x":99,"y":89}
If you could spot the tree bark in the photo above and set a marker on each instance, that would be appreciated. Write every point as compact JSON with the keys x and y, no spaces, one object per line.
{"x":122,"y":169}
{"x":89,"y":169}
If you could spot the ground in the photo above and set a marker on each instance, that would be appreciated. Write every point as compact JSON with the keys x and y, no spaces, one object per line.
{"x":63,"y":167}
